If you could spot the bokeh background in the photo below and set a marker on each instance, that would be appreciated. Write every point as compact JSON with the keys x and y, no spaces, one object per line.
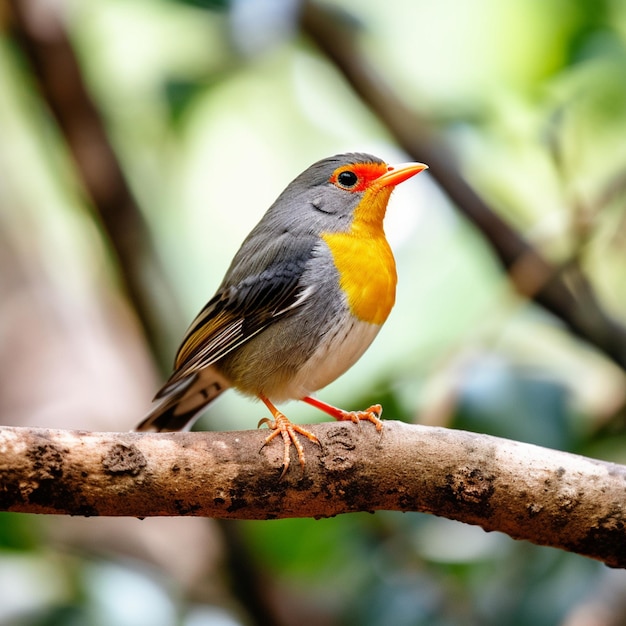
{"x":139,"y":143}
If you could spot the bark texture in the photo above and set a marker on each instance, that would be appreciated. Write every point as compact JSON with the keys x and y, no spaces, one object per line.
{"x":544,"y":496}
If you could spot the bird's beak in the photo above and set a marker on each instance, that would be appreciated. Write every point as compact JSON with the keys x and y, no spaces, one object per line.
{"x":397,"y":174}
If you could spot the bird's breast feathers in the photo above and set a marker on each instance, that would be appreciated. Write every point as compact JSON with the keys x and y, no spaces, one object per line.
{"x":335,"y":353}
{"x":367,"y":273}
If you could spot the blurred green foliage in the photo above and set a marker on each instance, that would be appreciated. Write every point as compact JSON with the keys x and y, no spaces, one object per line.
{"x":212,"y":108}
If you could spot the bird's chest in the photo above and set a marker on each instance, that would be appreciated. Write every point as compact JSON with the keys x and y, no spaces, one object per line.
{"x":367,"y":272}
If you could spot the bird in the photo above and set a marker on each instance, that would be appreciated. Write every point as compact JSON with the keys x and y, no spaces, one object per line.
{"x":303,"y":298}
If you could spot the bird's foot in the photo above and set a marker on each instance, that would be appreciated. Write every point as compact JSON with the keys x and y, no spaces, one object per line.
{"x":289,"y":431}
{"x":371,"y":414}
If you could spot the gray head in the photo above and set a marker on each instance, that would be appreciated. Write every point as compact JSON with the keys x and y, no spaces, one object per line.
{"x":323,"y":197}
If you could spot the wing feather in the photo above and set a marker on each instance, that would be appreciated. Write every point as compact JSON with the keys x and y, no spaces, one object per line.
{"x":236,"y":314}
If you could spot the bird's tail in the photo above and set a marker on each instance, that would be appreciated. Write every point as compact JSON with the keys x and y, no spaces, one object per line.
{"x":181,"y":403}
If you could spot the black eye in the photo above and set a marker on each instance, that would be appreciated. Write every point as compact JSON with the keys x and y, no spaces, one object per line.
{"x":347,"y":179}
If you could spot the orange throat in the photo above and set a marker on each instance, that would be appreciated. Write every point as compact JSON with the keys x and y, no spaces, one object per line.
{"x":363,"y":258}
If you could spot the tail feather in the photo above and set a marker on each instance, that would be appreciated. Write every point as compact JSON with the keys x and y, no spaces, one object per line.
{"x":182,"y":405}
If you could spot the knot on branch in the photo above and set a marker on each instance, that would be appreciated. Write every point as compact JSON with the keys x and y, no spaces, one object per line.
{"x":124,"y":459}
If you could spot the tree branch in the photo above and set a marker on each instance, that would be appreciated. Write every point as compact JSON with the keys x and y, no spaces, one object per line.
{"x":544,"y":496}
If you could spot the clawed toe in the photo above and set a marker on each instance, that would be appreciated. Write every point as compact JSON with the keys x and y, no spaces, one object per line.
{"x":289,"y":431}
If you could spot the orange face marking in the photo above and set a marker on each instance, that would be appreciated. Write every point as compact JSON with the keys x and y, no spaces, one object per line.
{"x":364,"y":175}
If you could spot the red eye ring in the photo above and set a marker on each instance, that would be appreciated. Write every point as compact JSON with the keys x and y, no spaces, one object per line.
{"x":357,"y":177}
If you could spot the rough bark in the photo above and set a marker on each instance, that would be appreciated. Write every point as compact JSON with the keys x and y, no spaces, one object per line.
{"x":544,"y":496}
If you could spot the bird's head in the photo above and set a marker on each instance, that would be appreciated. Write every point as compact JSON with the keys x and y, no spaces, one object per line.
{"x":334,"y":192}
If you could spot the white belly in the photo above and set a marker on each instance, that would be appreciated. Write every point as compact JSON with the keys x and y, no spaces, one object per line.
{"x":335,"y":355}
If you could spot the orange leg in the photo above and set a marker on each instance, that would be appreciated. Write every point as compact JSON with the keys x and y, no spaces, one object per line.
{"x":372,"y":414}
{"x":289,"y":432}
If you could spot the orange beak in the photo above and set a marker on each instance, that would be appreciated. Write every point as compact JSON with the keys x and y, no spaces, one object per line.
{"x":397,"y":174}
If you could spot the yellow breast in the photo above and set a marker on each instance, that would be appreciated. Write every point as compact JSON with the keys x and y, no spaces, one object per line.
{"x":367,"y":271}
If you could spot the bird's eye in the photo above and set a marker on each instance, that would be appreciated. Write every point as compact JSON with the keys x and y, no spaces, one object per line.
{"x":347,"y":179}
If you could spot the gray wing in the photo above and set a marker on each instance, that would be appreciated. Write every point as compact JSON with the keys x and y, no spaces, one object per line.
{"x":250,"y":298}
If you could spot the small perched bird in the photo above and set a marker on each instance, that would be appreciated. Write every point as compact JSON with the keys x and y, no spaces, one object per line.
{"x":303,"y":298}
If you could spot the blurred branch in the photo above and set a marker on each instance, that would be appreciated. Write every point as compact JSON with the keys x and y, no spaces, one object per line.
{"x":544,"y":496}
{"x":564,"y":292}
{"x":39,"y":30}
